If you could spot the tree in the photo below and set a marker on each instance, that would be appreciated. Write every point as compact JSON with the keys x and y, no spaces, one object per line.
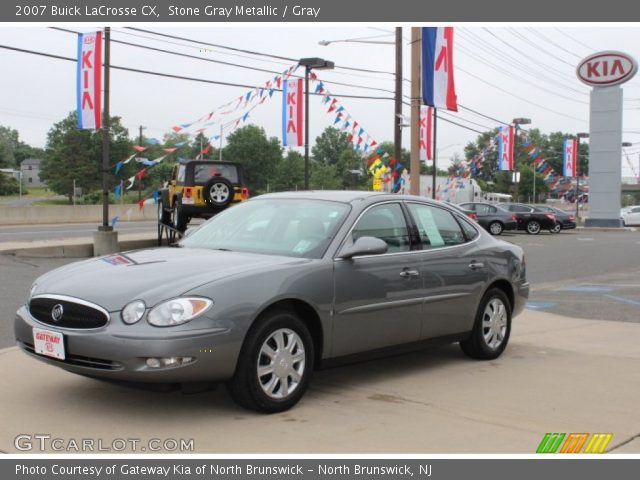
{"x":526,"y":183}
{"x":333,"y":147}
{"x":324,"y":176}
{"x":289,"y":173}
{"x":9,"y":141}
{"x":8,"y":185}
{"x":74,"y":154}
{"x":259,"y":155}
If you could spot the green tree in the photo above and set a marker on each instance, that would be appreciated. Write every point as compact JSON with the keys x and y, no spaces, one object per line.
{"x":324,"y":176}
{"x":74,"y":154}
{"x":8,"y":185}
{"x":259,"y":155}
{"x":525,"y":189}
{"x":9,"y":141}
{"x":333,"y":147}
{"x":289,"y":173}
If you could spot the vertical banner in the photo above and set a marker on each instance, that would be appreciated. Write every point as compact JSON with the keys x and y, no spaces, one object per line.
{"x":570,"y":157}
{"x":88,"y":80}
{"x":292,"y":119}
{"x":438,"y":87}
{"x":505,"y":148}
{"x":426,"y":133}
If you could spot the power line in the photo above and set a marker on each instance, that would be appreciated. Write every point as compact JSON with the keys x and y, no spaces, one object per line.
{"x":252,"y":52}
{"x":548,"y":40}
{"x":178,"y":77}
{"x":482,"y":114}
{"x":537,"y":47}
{"x":237,"y":65}
{"x":574,"y":39}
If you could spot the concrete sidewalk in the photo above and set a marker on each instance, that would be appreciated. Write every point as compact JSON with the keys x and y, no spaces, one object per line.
{"x":558,"y":375}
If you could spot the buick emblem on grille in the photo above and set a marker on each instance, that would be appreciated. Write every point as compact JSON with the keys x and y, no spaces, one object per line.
{"x":56,"y":312}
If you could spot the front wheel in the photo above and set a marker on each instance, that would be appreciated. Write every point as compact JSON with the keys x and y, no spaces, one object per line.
{"x":495,"y":228}
{"x":491,"y":328}
{"x":275,"y":364}
{"x":179,"y":220}
{"x":533,"y":227}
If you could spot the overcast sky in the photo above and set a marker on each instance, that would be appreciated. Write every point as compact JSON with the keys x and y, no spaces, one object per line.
{"x":502,"y":72}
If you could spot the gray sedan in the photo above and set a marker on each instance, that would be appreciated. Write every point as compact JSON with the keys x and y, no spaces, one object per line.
{"x":272,"y":288}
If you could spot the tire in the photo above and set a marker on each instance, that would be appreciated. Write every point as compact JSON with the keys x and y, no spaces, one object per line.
{"x":496,"y":228}
{"x":533,"y":227}
{"x":165,"y":214}
{"x":491,"y":328}
{"x":556,"y":228}
{"x":218,"y":192}
{"x":263,"y":392}
{"x":179,"y":220}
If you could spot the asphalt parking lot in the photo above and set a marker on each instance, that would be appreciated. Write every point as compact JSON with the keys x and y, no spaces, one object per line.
{"x":571,"y":366}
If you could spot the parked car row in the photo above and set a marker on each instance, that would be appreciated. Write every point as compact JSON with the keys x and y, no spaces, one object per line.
{"x":496,"y":218}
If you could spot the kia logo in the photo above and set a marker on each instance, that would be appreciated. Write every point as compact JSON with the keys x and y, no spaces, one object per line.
{"x":56,"y":312}
{"x":608,"y":68}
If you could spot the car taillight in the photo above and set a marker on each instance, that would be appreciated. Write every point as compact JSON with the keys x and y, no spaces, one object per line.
{"x":245,"y":193}
{"x":514,"y":217}
{"x":572,"y":217}
{"x":187,"y":192}
{"x":472,"y":216}
{"x":550,"y":216}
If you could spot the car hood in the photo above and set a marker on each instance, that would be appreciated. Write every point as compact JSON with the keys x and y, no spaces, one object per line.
{"x":151,"y":275}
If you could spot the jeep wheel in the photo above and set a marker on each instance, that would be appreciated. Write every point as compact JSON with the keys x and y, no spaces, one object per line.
{"x":179,"y":220}
{"x":218,"y":192}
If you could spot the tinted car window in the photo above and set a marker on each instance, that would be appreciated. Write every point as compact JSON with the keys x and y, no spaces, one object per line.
{"x":436,"y":226}
{"x":519,"y":208}
{"x":203,"y":172}
{"x":468,"y":206}
{"x":387,"y":223}
{"x":469,"y":230}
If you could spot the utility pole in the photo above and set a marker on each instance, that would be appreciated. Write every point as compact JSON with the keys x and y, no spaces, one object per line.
{"x":416,"y":38}
{"x":397,"y":117}
{"x":140,"y":179}
{"x":105,"y":134}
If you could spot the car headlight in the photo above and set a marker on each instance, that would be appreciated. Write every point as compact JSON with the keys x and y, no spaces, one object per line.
{"x":132,"y":312}
{"x":177,"y":311}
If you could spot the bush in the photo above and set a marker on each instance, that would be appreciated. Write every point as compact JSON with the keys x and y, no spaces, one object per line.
{"x":8,"y":185}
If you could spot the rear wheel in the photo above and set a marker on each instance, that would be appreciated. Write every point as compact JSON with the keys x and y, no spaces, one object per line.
{"x":275,"y":364}
{"x":218,"y":192}
{"x":533,"y":227}
{"x":495,"y":228}
{"x":492,"y":327}
{"x":556,"y":228}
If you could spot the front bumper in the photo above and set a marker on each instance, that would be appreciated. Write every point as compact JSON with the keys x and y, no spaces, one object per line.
{"x":113,"y":353}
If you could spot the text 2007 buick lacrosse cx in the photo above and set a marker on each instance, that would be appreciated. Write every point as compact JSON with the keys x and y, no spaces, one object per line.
{"x":266,"y":291}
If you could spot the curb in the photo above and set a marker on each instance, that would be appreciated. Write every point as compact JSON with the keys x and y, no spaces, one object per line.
{"x":76,"y":250}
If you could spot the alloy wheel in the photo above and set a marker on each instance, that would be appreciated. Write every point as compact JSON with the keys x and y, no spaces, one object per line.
{"x":281,"y":363}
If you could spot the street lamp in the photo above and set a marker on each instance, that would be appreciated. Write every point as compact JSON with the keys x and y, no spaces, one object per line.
{"x":310,"y":64}
{"x":517,"y":122}
{"x":397,"y":119}
{"x":579,"y":135}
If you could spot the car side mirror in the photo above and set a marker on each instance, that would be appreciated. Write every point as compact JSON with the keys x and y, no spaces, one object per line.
{"x":364,"y":246}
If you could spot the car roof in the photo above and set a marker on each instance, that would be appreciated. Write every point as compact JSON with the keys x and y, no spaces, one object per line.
{"x":345,"y":196}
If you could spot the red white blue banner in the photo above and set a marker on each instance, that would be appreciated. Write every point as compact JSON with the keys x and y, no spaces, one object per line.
{"x":426,"y":132}
{"x":292,"y":120}
{"x":570,"y":157}
{"x":438,"y":87}
{"x":505,"y":148}
{"x":88,"y":80}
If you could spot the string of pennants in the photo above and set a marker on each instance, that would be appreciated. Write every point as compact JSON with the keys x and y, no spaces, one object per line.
{"x":380,"y":164}
{"x":218,"y":117}
{"x":550,"y":176}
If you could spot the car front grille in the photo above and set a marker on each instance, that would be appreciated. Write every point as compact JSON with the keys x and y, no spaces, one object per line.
{"x":75,"y":313}
{"x":77,"y":360}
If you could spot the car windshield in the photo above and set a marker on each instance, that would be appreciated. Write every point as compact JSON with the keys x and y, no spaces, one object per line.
{"x":289,"y":227}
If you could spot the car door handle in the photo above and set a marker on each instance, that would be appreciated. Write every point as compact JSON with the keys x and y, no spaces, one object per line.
{"x":409,"y":273}
{"x":476,"y":265}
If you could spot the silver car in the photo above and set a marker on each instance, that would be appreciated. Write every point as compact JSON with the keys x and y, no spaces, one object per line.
{"x":267,"y":291}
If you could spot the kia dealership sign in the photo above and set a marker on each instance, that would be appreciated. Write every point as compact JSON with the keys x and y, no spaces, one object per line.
{"x":605,"y":69}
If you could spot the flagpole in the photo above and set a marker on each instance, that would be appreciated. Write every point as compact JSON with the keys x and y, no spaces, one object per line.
{"x":416,"y":36}
{"x":435,"y":151}
{"x":105,"y":132}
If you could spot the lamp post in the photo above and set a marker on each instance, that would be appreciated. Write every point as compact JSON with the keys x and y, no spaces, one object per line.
{"x":579,"y":135}
{"x":516,"y":123}
{"x":310,"y":64}
{"x":397,"y":118}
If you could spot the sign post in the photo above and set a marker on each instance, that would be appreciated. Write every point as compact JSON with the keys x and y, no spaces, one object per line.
{"x":605,"y":72}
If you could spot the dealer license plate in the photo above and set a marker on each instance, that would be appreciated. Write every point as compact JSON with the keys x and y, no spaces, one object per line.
{"x":48,"y":343}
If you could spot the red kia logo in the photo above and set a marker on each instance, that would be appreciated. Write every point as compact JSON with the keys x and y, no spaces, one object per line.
{"x":608,"y":68}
